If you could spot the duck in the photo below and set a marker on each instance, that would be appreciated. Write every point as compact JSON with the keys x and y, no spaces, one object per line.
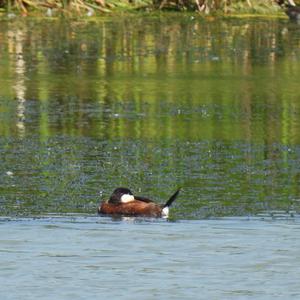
{"x":122,"y":202}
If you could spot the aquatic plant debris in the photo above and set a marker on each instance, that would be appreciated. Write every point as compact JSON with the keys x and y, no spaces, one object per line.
{"x":89,"y":8}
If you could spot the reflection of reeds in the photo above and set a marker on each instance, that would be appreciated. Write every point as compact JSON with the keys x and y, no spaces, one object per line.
{"x":155,"y":79}
{"x":16,"y":43}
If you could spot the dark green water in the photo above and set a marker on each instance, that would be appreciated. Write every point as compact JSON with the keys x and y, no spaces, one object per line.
{"x":152,"y":104}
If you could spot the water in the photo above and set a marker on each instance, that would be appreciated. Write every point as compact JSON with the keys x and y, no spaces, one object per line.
{"x":152,"y":104}
{"x":84,"y":257}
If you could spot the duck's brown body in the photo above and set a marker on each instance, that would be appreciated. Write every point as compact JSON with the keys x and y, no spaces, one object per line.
{"x":134,"y":208}
{"x":123,"y":203}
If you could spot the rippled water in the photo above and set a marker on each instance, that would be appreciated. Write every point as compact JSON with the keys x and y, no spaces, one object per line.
{"x":80,"y":257}
{"x":151,"y":103}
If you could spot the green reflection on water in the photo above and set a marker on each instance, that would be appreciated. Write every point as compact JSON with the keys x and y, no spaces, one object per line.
{"x":151,"y":104}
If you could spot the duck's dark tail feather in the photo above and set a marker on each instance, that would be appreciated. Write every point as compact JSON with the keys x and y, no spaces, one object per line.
{"x":172,"y":199}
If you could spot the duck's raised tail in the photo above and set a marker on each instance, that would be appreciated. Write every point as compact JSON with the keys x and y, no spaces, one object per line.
{"x":172,"y":199}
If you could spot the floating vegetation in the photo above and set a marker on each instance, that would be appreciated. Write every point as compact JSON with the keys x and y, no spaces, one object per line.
{"x":71,"y":7}
{"x":93,"y":7}
{"x":225,"y":6}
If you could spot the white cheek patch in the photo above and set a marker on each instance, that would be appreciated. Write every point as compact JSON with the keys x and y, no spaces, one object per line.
{"x":127,"y":198}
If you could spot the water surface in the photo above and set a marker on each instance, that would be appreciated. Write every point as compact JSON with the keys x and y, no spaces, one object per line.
{"x":85,"y":257}
{"x":150,"y":103}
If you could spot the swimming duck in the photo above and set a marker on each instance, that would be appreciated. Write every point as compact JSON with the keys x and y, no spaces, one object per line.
{"x":123,"y":203}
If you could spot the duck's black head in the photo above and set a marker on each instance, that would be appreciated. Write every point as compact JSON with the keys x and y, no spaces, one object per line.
{"x":121,"y":195}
